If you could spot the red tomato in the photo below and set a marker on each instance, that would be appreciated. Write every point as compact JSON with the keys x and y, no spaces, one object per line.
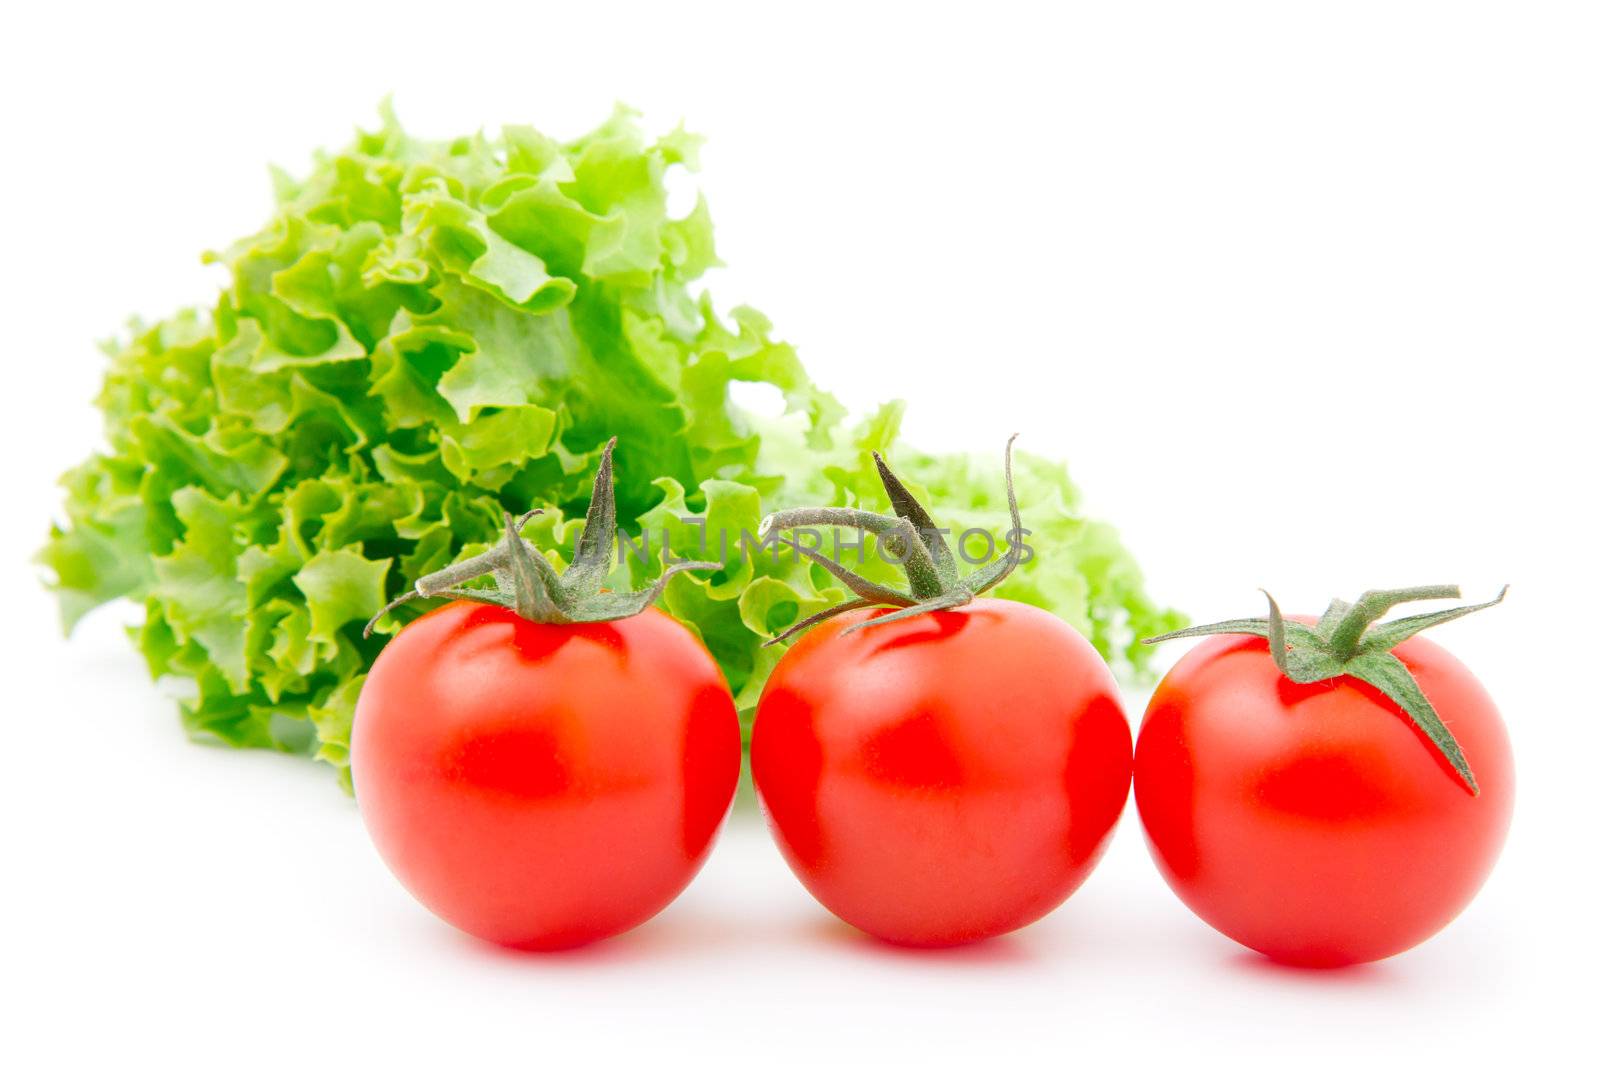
{"x":544,"y":785}
{"x":1315,"y":822}
{"x":945,"y":778}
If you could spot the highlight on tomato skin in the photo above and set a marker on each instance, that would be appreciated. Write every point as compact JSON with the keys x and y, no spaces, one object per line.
{"x":544,"y":786}
{"x":1316,"y":822}
{"x":946,"y":778}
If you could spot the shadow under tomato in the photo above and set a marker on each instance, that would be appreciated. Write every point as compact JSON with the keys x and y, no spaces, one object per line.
{"x":835,"y":934}
{"x":666,"y":936}
{"x":1361,"y":974}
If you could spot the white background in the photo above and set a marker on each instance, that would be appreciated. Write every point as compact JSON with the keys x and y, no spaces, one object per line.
{"x":1304,"y":292}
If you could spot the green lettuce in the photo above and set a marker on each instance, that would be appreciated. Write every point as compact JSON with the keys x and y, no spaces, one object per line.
{"x":429,"y":333}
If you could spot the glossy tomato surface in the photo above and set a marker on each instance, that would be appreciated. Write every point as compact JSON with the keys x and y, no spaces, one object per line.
{"x":542,"y":786}
{"x":1315,"y":822}
{"x":945,"y":778}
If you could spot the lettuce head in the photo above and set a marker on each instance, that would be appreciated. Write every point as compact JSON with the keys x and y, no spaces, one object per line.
{"x":427,"y":334}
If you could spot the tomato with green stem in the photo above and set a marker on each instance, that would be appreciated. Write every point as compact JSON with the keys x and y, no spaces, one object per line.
{"x":1325,"y":792}
{"x":937,"y":768}
{"x":545,"y":763}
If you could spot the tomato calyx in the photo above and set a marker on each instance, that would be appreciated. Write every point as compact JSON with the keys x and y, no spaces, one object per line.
{"x":909,"y":536}
{"x":1346,"y":641}
{"x":526,"y":583}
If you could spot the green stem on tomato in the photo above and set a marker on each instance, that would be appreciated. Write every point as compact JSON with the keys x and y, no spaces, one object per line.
{"x":526,"y":583}
{"x":1347,"y":642}
{"x":911,"y":537}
